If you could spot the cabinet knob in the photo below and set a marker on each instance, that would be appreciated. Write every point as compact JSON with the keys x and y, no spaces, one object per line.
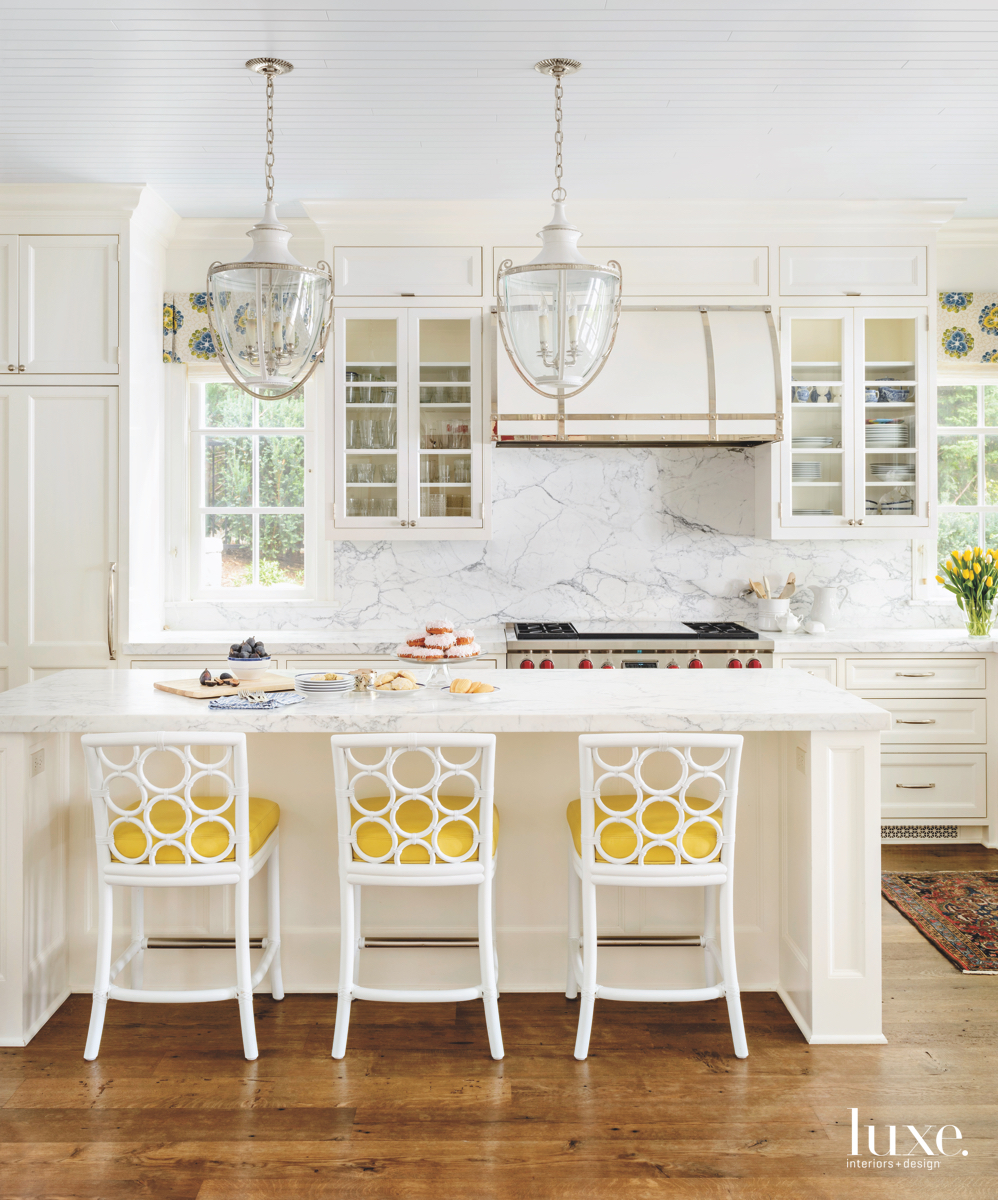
{"x":20,"y":368}
{"x":10,"y":366}
{"x":412,"y":524}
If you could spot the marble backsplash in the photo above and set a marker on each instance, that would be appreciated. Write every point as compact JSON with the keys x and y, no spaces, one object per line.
{"x":613,"y":533}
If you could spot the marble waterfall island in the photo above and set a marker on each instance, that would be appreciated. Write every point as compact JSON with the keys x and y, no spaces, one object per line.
{"x":807,"y":856}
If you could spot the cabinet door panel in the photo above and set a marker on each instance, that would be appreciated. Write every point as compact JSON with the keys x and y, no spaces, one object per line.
{"x":914,"y":674}
{"x":63,"y":479}
{"x":8,"y":302}
{"x":932,"y":721}
{"x":408,"y":270}
{"x":68,"y":309}
{"x":852,"y":270}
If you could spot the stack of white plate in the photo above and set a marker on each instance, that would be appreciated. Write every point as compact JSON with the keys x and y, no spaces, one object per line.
{"x":892,"y":472}
{"x":812,"y":443}
{"x":315,"y":683}
{"x":813,"y":512}
{"x":886,"y":434}
{"x":806,"y":472}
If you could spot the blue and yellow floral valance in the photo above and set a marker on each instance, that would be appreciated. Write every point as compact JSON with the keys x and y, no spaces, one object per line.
{"x":186,"y":336}
{"x":968,"y":327}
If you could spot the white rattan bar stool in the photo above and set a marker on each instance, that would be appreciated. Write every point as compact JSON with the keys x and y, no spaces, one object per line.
{"x":655,"y":811}
{"x":436,"y":826}
{"x":172,"y":810}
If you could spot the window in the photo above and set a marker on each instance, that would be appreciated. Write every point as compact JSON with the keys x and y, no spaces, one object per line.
{"x":967,"y":464}
{"x":250,"y":484}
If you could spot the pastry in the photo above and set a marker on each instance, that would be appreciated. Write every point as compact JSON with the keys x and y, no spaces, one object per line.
{"x":464,"y":637}
{"x":395,"y":681}
{"x":442,"y":641}
{"x":323,"y":678}
{"x":460,"y":685}
{"x":480,"y":686}
{"x":424,"y":653}
{"x":439,"y":625}
{"x":401,"y":684}
{"x":467,"y":650}
{"x":415,"y":640}
{"x":404,"y":650}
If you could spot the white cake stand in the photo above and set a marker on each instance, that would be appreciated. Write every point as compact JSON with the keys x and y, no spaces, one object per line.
{"x":438,"y":669}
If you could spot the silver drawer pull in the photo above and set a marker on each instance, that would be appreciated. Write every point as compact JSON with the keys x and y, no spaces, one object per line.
{"x":914,"y":674}
{"x":915,"y":785}
{"x":927,"y":721}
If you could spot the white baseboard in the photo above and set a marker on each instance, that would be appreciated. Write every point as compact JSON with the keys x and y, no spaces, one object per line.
{"x":39,"y":1021}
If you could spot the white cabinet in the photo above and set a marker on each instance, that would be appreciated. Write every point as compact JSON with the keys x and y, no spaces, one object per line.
{"x":854,"y":461}
{"x":408,"y":455}
{"x":853,"y":271}
{"x":59,"y":304}
{"x":407,"y":270}
{"x":943,"y":786}
{"x":61,"y":528}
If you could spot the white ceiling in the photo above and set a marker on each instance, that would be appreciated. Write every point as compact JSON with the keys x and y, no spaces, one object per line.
{"x":400,"y":99}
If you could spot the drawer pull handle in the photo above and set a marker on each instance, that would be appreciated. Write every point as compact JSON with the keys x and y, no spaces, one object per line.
{"x":915,"y":785}
{"x":927,"y":721}
{"x":914,"y":674}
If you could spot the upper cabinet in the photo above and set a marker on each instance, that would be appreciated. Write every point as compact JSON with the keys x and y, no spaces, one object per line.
{"x":672,"y":270}
{"x":407,"y":271}
{"x":408,"y":457}
{"x":855,"y":459}
{"x":852,"y":271}
{"x":59,"y":304}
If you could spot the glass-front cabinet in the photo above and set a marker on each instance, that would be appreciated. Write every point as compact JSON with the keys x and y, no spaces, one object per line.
{"x":408,"y":443}
{"x":854,"y":456}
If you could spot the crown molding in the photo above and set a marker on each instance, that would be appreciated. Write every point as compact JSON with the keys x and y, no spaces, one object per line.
{"x":72,"y":199}
{"x":195,"y":232}
{"x":970,"y":231}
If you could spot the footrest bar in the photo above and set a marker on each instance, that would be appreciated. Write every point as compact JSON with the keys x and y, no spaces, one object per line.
{"x":405,"y":943}
{"x":199,"y":943}
{"x":665,"y":939}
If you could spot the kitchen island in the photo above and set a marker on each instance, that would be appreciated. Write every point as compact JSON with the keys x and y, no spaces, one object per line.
{"x":807,"y":858}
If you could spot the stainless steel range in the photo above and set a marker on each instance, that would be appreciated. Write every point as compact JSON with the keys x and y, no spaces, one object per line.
{"x":604,"y":645}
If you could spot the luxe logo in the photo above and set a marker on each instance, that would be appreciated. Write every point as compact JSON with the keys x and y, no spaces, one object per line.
{"x":918,"y":1155}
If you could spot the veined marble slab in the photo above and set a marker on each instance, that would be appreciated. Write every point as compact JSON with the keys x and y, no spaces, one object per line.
{"x":212,"y":642}
{"x":545,"y":702}
{"x":849,"y":640}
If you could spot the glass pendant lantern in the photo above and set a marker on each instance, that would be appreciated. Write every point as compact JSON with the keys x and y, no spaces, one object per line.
{"x":269,"y":315}
{"x":558,"y":314}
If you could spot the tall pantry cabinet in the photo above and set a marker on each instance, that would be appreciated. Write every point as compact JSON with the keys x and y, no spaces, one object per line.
{"x":80,"y":280}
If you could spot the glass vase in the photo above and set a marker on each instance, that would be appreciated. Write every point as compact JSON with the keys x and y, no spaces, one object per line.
{"x":979,"y":622}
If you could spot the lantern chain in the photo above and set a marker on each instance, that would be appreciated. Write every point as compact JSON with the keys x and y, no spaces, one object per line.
{"x":559,"y":192}
{"x":269,"y":160}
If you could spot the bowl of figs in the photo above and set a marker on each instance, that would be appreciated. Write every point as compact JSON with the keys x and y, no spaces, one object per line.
{"x":249,"y":659}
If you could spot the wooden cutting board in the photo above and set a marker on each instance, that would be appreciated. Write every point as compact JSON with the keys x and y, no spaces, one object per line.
{"x":197,"y":691}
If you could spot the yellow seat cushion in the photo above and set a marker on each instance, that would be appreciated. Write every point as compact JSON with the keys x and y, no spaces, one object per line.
{"x":699,"y":841}
{"x":454,"y":838}
{"x":209,"y":839}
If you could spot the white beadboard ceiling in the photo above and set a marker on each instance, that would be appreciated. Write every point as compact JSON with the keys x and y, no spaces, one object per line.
{"x":397,"y":99}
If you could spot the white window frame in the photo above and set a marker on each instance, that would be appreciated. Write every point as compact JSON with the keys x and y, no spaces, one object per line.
{"x":185,"y":477}
{"x":925,"y":552}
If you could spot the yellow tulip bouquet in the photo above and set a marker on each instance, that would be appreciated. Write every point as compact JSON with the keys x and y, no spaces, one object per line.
{"x":971,"y":577}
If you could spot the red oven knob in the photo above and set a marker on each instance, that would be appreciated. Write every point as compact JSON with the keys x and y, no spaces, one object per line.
{"x":673,"y":666}
{"x":607,"y":666}
{"x":753,"y":662}
{"x":586,"y":664}
{"x":695,"y":662}
{"x":734,"y":662}
{"x":527,"y":665}
{"x":547,"y":664}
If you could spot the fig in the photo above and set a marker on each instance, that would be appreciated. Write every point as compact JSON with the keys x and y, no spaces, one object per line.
{"x":205,"y":678}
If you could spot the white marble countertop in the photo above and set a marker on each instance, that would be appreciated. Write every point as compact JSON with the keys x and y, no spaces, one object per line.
{"x":212,"y":642}
{"x":845,"y":640}
{"x":549,"y":702}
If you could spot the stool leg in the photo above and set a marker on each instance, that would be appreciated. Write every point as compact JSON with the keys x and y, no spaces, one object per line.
{"x":348,"y":953}
{"x":731,"y":992}
{"x":495,"y":946}
{"x":356,"y":933}
{"x":244,"y":970}
{"x":588,"y":1002}
{"x":274,"y":920}
{"x":102,"y":975}
{"x":138,"y":931}
{"x":572,"y":978}
{"x":487,"y":959}
{"x":709,"y":935}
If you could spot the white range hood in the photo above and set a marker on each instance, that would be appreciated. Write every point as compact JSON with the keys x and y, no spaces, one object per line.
{"x":677,"y":375}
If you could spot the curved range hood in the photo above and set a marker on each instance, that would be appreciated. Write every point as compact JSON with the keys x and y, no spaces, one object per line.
{"x":680,"y":375}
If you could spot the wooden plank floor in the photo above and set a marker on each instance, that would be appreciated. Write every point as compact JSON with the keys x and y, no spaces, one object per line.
{"x":418,"y":1109}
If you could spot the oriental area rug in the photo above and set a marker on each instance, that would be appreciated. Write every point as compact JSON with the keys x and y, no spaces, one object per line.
{"x":956,"y":910}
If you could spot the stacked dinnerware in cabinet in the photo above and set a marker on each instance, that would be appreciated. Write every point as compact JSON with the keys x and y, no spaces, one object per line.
{"x":884,"y":468}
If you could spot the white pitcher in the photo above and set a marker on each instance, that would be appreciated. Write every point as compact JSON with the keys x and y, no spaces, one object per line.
{"x":827,"y":602}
